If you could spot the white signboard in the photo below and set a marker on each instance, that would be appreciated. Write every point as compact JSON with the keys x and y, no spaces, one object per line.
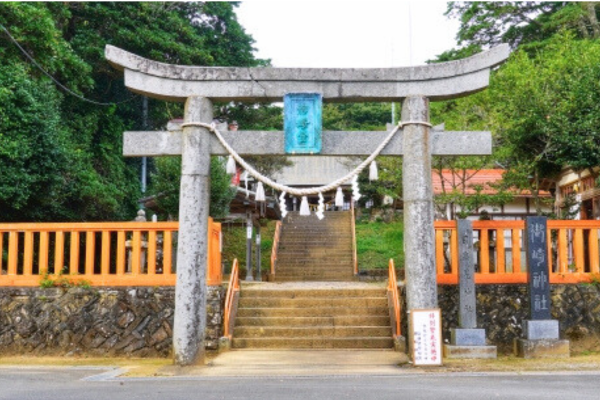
{"x":426,"y":326}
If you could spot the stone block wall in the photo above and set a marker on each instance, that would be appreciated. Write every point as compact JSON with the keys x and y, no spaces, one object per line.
{"x":98,"y":321}
{"x":502,"y":308}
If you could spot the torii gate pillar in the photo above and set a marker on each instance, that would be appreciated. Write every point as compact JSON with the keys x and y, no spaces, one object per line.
{"x":419,"y":237}
{"x":192,"y":248}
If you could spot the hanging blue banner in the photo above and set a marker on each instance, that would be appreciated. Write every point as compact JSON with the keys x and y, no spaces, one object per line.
{"x":302,"y":122}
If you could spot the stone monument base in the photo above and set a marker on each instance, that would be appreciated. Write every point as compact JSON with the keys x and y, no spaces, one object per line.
{"x":541,"y":340}
{"x":541,"y":348}
{"x":541,"y":329}
{"x":469,"y":343}
{"x":454,"y":351}
{"x":467,"y":337}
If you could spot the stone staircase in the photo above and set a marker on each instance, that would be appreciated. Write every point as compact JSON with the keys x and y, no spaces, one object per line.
{"x":315,"y":250}
{"x":313,"y":316}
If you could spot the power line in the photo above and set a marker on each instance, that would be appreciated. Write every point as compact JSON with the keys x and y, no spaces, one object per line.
{"x":63,"y":87}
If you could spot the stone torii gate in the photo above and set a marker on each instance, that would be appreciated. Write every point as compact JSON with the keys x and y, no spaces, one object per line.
{"x":416,"y":142}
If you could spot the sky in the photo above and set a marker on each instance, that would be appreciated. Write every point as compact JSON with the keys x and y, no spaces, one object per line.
{"x":347,"y":34}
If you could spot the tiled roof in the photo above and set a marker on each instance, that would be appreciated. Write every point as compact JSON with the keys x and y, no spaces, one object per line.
{"x":471,"y":177}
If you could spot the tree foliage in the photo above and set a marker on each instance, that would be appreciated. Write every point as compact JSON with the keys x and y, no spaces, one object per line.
{"x":543,"y":109}
{"x":487,"y":24}
{"x":61,"y":157}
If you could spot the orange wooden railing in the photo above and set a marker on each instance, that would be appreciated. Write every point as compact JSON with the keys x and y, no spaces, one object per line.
{"x":275,"y":247}
{"x":354,"y":251}
{"x":230,"y":300}
{"x":394,"y":298}
{"x":99,"y":254}
{"x":572,"y":251}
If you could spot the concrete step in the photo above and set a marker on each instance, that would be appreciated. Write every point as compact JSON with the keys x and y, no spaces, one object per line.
{"x":314,"y":235}
{"x":313,"y":265}
{"x":311,"y":331}
{"x":316,"y":264}
{"x":312,"y":268}
{"x":312,"y":279}
{"x":312,"y":293}
{"x":344,"y":320}
{"x":294,"y":312}
{"x":269,"y":302}
{"x":314,"y":343}
{"x":307,"y":253}
{"x":308,"y":276}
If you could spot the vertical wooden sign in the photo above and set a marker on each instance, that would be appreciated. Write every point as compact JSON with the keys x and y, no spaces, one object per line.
{"x":426,"y":326}
{"x":302,"y":122}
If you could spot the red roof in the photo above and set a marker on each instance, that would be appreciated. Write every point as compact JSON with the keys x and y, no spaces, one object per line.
{"x":457,"y":179}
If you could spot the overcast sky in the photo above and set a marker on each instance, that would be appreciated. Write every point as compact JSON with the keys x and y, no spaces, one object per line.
{"x":343,"y":34}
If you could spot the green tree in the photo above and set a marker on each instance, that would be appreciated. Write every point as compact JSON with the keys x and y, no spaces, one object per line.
{"x":547,"y":109}
{"x":165,"y":185}
{"x":91,"y":180}
{"x":486,"y":24}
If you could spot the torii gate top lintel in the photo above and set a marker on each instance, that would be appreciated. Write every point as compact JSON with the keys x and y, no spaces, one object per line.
{"x":264,"y":84}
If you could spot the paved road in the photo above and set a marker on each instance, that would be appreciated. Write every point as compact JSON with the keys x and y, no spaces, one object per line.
{"x":71,"y":383}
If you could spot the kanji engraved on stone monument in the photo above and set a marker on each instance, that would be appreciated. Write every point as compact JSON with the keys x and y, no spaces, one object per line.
{"x":537,"y":266}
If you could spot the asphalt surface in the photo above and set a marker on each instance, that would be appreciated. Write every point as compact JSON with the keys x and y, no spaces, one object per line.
{"x":96,"y":383}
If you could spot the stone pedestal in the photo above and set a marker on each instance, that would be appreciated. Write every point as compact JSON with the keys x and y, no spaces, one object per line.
{"x":467,"y":337}
{"x":541,"y":340}
{"x":469,"y":343}
{"x":542,"y":348}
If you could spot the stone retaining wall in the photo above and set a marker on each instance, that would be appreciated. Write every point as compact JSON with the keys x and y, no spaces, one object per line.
{"x":502,"y":308}
{"x":98,"y":321}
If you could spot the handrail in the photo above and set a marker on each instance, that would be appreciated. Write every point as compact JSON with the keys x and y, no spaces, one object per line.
{"x":573,"y":251}
{"x":354,"y":251}
{"x":395,"y":298}
{"x":97,"y":254}
{"x":232,"y":289}
{"x":275,"y":247}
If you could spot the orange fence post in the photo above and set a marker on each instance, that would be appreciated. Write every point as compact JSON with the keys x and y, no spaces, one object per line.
{"x":59,"y":252}
{"x":28,"y":254}
{"x":578,"y":250}
{"x":1,"y":248}
{"x":13,"y":256}
{"x":594,"y":256}
{"x":120,"y":253}
{"x":516,"y":250}
{"x":484,"y":252}
{"x":90,"y":249}
{"x":454,"y":251}
{"x":43,"y":254}
{"x":151,"y":257}
{"x":136,"y":253}
{"x":563,"y":264}
{"x":215,"y":276}
{"x":105,"y":258}
{"x":168,"y":253}
{"x":74,"y":259}
{"x":500,"y":252}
